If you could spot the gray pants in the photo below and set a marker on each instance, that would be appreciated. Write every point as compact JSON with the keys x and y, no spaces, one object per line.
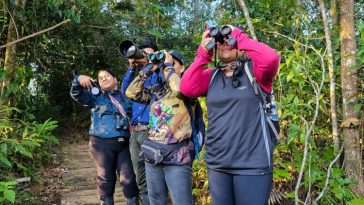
{"x":136,"y":140}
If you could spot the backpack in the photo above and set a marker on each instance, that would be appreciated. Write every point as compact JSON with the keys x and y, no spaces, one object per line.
{"x":267,"y":100}
{"x":197,"y":124}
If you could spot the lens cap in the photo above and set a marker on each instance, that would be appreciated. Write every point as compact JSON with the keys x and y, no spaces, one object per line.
{"x":226,"y":30}
{"x":210,"y":45}
{"x":95,"y":91}
{"x":214,"y":31}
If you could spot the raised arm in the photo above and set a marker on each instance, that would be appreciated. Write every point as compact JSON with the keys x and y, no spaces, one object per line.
{"x":195,"y":81}
{"x":173,"y":80}
{"x":265,"y":59}
{"x":79,"y":93}
{"x":136,"y":90}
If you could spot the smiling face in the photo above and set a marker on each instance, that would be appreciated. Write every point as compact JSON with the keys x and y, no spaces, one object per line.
{"x":106,"y":81}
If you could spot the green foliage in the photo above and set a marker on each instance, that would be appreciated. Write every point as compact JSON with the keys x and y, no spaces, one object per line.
{"x":39,"y":89}
{"x":7,"y":194}
{"x":356,"y":202}
{"x":25,"y":146}
{"x":200,"y":182}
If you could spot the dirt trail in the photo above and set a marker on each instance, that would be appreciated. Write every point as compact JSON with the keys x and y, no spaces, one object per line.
{"x":79,"y":177}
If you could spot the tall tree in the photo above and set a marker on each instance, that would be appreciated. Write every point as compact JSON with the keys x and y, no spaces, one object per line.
{"x":10,"y":53}
{"x":197,"y":14}
{"x":353,"y":157}
{"x":331,"y":76}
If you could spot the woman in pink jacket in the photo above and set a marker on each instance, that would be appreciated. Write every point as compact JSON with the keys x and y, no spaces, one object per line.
{"x":238,"y":143}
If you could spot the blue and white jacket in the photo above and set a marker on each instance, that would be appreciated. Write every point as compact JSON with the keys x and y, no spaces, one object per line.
{"x":106,"y":119}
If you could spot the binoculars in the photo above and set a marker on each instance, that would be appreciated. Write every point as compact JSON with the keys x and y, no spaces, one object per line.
{"x":129,"y":49}
{"x":157,"y":57}
{"x":218,"y":35}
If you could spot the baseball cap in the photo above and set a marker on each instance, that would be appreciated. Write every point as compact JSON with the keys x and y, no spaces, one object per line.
{"x":176,"y":55}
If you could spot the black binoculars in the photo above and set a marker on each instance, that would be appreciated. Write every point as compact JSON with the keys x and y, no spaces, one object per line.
{"x":129,"y":49}
{"x":157,"y":57}
{"x":218,"y":35}
{"x":120,"y":123}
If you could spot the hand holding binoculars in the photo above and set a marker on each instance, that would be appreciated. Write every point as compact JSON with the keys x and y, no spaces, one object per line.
{"x":219,"y":36}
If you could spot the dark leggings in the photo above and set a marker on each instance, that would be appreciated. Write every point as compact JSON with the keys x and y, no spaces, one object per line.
{"x":112,"y":156}
{"x":239,"y":189}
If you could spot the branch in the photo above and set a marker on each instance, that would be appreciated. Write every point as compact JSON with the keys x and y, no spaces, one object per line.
{"x":308,"y":197}
{"x":328,"y":174}
{"x":289,"y":38}
{"x":99,"y":27}
{"x":307,"y":136}
{"x":246,"y":14}
{"x":34,"y":34}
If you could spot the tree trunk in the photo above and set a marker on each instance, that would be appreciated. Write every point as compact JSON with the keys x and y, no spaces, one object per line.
{"x":331,"y":76}
{"x":10,"y":53}
{"x":197,"y":15}
{"x":246,"y":14}
{"x":334,"y":12}
{"x":353,"y":163}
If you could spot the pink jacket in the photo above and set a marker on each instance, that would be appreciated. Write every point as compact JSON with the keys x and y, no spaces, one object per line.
{"x":196,"y":79}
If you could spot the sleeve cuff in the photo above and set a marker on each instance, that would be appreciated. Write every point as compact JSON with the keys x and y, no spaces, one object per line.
{"x":204,"y":54}
{"x":75,"y":81}
{"x":168,"y":65}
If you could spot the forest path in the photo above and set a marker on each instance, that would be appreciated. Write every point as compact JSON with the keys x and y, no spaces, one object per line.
{"x":79,"y":175}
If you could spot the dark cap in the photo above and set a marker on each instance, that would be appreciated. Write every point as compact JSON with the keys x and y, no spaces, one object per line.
{"x":148,"y":43}
{"x":176,"y":55}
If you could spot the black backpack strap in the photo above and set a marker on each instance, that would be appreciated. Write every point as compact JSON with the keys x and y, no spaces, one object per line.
{"x":248,"y":67}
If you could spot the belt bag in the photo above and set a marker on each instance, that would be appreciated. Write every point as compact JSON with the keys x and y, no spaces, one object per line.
{"x":155,"y":153}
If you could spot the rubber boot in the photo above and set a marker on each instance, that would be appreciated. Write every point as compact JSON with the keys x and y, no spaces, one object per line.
{"x":144,"y":199}
{"x":106,"y":200}
{"x":132,"y":201}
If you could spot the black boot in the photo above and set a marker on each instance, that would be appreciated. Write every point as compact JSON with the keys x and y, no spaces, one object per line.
{"x":106,"y":200}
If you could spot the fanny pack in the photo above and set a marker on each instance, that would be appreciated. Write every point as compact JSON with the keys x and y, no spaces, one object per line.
{"x":157,"y":153}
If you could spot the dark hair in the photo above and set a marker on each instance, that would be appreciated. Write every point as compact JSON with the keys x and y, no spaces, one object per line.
{"x":109,"y":70}
{"x":148,"y":43}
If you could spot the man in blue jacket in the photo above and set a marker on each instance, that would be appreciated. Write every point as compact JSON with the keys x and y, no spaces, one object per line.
{"x":140,"y":115}
{"x":109,"y":134}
